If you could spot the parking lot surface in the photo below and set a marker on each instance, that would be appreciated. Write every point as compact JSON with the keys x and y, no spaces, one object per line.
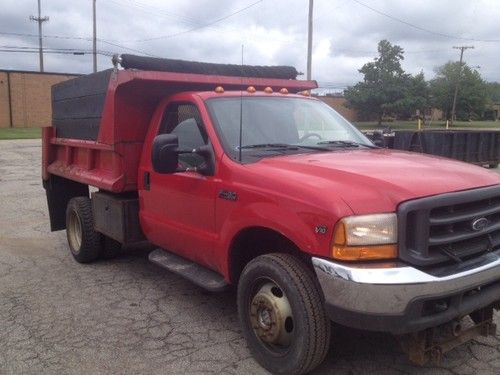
{"x":128,"y":316}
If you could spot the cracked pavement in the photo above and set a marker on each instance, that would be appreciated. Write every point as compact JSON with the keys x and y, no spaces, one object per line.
{"x":129,"y":316}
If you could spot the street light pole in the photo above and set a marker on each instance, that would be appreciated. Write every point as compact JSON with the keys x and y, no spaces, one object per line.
{"x":454,"y":106}
{"x":309,"y":39}
{"x":40,"y":20}
{"x":94,"y":51}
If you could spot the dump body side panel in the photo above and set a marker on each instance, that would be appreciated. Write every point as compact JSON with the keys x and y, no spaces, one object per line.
{"x":109,"y":159}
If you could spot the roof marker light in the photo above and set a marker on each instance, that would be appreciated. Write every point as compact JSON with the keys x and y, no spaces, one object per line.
{"x":268,"y":90}
{"x":219,"y":90}
{"x":284,"y":91}
{"x":305,"y":93}
{"x":250,"y":89}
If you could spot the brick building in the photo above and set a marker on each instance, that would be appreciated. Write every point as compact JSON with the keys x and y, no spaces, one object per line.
{"x":25,"y":98}
{"x":496,"y":111}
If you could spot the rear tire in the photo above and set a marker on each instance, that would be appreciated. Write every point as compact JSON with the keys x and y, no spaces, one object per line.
{"x":282,"y":314}
{"x":84,"y":242}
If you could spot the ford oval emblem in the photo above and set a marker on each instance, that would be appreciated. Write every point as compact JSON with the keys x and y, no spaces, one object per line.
{"x":479,"y":224}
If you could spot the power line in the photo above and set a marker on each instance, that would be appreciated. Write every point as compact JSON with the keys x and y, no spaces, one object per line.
{"x":88,"y":39}
{"x":201,"y":26}
{"x":75,"y":52}
{"x":423,"y":29}
{"x":344,"y":51}
{"x":141,"y":40}
{"x":46,"y":36}
{"x":158,"y":12}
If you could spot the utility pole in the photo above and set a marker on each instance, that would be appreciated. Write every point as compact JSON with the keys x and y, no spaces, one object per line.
{"x":40,"y":20}
{"x":453,"y":108}
{"x":94,"y":51}
{"x":309,"y":39}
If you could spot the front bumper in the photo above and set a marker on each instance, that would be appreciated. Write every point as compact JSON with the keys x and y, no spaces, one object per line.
{"x":395,"y":297}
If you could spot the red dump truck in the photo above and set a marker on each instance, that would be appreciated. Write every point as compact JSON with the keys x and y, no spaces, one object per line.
{"x":240,"y":178}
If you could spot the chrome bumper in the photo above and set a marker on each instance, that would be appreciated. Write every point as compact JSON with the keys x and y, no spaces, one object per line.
{"x":386,"y":290}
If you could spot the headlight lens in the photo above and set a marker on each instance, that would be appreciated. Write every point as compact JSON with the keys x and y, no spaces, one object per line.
{"x":366,"y":237}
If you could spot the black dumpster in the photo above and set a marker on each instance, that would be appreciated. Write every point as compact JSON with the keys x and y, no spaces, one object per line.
{"x":480,"y":147}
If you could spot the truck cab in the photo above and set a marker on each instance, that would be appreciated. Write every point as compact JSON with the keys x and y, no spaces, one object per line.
{"x":250,"y":182}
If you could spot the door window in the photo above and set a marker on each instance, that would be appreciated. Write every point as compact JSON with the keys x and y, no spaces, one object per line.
{"x":184,"y":120}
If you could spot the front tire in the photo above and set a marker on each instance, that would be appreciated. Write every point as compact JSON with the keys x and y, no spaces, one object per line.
{"x":282,"y":314}
{"x":84,"y":242}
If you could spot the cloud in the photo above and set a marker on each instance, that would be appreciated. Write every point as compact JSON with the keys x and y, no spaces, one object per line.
{"x":272,"y":32}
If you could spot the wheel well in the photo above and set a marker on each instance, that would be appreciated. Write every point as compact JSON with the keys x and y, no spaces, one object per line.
{"x":255,"y":241}
{"x":59,"y":192}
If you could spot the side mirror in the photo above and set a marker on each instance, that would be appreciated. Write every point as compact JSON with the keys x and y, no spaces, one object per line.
{"x":208,"y":168}
{"x":165,"y":153}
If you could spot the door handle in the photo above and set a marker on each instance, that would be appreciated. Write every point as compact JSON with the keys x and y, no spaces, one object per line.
{"x":147,"y":181}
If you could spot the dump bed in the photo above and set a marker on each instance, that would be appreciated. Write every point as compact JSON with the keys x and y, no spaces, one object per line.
{"x":100,"y":120}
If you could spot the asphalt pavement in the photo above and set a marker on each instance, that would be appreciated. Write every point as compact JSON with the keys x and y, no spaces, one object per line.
{"x":128,"y":316}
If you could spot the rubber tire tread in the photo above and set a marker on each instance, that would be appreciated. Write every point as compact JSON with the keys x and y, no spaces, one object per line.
{"x":91,"y":246}
{"x":319,"y":325}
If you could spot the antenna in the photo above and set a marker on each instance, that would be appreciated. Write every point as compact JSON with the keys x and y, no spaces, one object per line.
{"x":241,"y":104}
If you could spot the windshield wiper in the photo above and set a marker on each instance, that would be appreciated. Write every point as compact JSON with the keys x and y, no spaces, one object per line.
{"x":345,"y":144}
{"x":270,"y":145}
{"x":285,"y":146}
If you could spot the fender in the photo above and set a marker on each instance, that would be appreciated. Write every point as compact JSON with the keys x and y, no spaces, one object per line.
{"x":270,"y":215}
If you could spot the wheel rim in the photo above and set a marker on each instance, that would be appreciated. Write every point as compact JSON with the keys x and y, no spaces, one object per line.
{"x":75,"y":232}
{"x":271,"y":316}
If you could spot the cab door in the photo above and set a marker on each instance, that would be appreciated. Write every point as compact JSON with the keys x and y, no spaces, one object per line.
{"x":178,"y":209}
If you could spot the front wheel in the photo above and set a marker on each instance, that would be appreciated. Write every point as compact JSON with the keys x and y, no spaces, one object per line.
{"x":282,"y":314}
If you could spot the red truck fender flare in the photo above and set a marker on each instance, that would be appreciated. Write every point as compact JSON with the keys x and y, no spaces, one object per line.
{"x":269,"y":216}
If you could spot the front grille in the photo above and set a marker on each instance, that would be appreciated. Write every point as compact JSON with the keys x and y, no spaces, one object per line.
{"x":440,"y":229}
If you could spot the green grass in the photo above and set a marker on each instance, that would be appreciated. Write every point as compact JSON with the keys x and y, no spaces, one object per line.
{"x":20,"y":133}
{"x":433,"y":125}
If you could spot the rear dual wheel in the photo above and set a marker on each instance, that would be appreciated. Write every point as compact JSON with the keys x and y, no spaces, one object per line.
{"x":86,"y":245}
{"x":282,"y":314}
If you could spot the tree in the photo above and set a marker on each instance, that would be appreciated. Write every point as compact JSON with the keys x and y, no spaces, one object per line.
{"x":416,"y":97}
{"x":473,"y":91}
{"x":382,"y":90}
{"x":494,"y":92}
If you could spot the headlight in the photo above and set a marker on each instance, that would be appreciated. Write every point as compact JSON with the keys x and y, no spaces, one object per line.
{"x":366,"y":237}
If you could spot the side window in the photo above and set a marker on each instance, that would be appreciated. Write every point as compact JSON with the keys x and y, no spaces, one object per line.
{"x":184,"y":120}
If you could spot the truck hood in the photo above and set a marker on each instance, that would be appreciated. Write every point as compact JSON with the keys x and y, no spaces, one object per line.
{"x":375,"y":180}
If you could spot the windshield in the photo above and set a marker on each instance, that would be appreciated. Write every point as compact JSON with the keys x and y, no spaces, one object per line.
{"x":273,"y":126}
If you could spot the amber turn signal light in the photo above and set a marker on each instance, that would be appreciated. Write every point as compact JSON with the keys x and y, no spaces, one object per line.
{"x":377,"y":252}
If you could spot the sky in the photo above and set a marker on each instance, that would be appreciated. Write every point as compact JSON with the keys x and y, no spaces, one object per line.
{"x":272,"y":32}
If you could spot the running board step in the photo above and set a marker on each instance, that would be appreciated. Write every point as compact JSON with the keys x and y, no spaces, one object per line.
{"x":199,"y":275}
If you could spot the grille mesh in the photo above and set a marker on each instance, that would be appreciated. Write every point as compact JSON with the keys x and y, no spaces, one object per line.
{"x":440,"y":229}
